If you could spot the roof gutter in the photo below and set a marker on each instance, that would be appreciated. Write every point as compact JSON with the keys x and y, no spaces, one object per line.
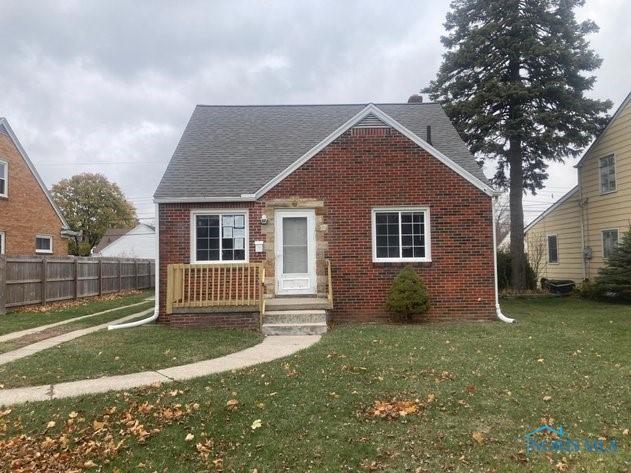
{"x":156,"y":308}
{"x":498,"y":310}
{"x":196,"y":200}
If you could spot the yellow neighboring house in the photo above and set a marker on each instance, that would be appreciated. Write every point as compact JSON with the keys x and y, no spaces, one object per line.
{"x":573,"y":238}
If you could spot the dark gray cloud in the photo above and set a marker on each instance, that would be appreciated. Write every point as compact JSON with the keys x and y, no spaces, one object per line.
{"x":109,"y":86}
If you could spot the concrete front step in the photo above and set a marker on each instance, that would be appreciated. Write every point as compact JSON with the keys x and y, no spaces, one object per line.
{"x":294,"y":317}
{"x":296,"y":303}
{"x":294,"y":329}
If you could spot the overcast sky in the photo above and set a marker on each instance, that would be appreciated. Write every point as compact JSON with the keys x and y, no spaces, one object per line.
{"x":109,"y":86}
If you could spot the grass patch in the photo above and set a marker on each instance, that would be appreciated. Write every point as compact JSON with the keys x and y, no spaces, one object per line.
{"x":103,"y":353}
{"x":22,"y":320}
{"x":480,"y":388}
{"x":72,"y":326}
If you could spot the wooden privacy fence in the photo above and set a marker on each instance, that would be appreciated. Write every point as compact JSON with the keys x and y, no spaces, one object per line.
{"x":215,"y":285}
{"x":38,"y":280}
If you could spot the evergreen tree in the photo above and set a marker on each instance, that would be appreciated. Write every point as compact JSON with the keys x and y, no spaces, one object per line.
{"x":513,"y":81}
{"x":615,"y":276}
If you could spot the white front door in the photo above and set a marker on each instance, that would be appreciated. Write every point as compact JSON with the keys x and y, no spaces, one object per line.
{"x":295,"y":251}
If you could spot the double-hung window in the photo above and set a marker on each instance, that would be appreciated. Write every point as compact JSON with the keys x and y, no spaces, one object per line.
{"x":610,"y":242}
{"x":4,"y":178}
{"x":553,"y":249}
{"x":607,"y":174}
{"x":401,"y":235}
{"x":219,"y":236}
{"x":43,"y":244}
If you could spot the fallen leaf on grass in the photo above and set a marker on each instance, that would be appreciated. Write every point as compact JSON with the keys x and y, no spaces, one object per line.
{"x":232,"y":404}
{"x":189,"y":437}
{"x":257,"y":424}
{"x":547,"y":398}
{"x":478,"y":437}
{"x":394,"y":409}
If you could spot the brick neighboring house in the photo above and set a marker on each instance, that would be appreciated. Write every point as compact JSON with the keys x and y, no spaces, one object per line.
{"x":362,"y":189}
{"x":30,"y":222}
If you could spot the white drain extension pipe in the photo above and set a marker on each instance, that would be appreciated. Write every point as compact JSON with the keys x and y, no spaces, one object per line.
{"x":498,"y":310}
{"x":156,"y":308}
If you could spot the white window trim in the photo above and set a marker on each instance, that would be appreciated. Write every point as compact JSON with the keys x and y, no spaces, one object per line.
{"x":3,"y":243}
{"x":600,"y":175}
{"x":427,"y":234}
{"x":193,"y":239}
{"x":44,"y":252}
{"x":556,"y":236}
{"x":6,"y":178}
{"x":602,"y":238}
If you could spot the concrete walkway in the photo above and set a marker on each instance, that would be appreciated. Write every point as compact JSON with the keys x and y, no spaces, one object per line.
{"x":65,"y":337}
{"x":271,"y":348}
{"x":41,"y":328}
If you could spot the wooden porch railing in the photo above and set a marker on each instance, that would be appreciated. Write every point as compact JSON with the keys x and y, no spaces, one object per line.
{"x":215,"y":285}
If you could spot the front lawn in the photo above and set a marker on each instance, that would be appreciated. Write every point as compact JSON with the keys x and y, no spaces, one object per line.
{"x":110,"y":352}
{"x":25,"y":319}
{"x":471,"y":392}
{"x":72,"y":326}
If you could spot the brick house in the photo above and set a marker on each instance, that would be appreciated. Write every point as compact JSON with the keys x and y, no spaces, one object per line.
{"x":324,"y":204}
{"x":30,"y":222}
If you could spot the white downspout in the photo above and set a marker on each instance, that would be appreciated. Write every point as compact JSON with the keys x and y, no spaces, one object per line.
{"x":498,"y":311}
{"x":156,"y":309}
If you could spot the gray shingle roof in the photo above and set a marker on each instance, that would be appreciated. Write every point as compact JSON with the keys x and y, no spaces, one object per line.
{"x":226,"y":151}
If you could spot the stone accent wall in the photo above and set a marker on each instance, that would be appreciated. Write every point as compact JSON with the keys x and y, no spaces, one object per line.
{"x":321,"y":229}
{"x":26,"y":212}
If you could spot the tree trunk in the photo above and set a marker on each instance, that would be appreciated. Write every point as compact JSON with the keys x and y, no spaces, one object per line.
{"x":518,"y":266}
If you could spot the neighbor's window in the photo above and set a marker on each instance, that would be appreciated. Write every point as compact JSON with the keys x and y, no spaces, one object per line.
{"x":220,"y":236}
{"x":401,"y":235}
{"x":4,"y":178}
{"x":2,"y":243}
{"x":607,"y":174}
{"x":610,"y":242}
{"x":43,"y":244}
{"x":553,"y":249}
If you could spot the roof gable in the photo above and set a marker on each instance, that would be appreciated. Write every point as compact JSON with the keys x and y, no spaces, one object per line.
{"x":614,"y":117}
{"x":230,"y":153}
{"x":553,"y":207}
{"x":6,"y":128}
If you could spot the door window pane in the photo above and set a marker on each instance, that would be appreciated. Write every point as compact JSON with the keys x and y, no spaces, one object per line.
{"x":295,"y":245}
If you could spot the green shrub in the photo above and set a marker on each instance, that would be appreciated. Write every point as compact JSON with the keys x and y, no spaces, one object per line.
{"x":589,"y":290}
{"x":614,"y":279}
{"x":408,"y":295}
{"x":504,"y":272}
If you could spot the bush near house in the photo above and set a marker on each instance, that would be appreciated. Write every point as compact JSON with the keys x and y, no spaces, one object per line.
{"x":504,"y":272}
{"x":614,"y":279}
{"x":408,"y":295}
